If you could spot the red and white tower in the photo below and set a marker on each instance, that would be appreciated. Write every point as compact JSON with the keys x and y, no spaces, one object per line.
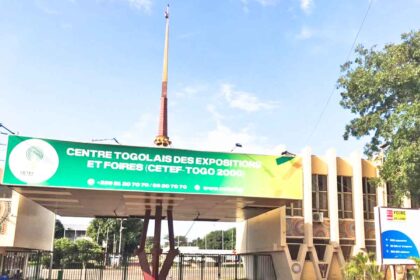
{"x":162,"y":139}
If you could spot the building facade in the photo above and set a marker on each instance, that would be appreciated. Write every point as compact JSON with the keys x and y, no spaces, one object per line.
{"x":313,"y":238}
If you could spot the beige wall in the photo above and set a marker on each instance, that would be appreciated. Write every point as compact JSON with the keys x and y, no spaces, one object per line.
{"x":368,"y":169}
{"x":264,"y":233}
{"x":319,"y":166}
{"x":35,"y":226}
{"x":30,"y":226}
{"x":308,"y":272}
{"x":344,"y":168}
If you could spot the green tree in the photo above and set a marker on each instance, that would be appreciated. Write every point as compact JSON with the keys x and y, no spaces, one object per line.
{"x":213,"y":240}
{"x":131,"y":234}
{"x":107,"y":231}
{"x":87,"y":251}
{"x":149,"y":243}
{"x":198,"y":242}
{"x":383,"y":89}
{"x":415,"y":272}
{"x":362,"y":267}
{"x":180,"y":240}
{"x":59,"y":229}
{"x":64,"y":252}
{"x":230,"y":239}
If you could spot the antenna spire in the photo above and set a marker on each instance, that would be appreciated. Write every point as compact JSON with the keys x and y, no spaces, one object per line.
{"x":162,"y":139}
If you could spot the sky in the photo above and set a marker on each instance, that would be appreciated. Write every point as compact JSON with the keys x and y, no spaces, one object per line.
{"x":254,"y":72}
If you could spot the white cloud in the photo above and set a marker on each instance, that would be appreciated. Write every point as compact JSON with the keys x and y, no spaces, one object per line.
{"x":244,"y":100}
{"x":306,"y":6}
{"x":223,"y":139}
{"x":142,"y":5}
{"x":214,"y":113}
{"x":135,"y":134}
{"x":305,"y":33}
{"x":46,"y":8}
{"x":220,"y":134}
{"x":189,"y":91}
{"x":266,"y":3}
{"x":245,"y":7}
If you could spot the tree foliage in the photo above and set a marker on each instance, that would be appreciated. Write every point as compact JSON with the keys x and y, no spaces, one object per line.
{"x":59,"y":229}
{"x":415,"y":271}
{"x":81,"y":251}
{"x":87,"y":251}
{"x":180,"y":240}
{"x":362,"y":267}
{"x":383,"y":89}
{"x":107,"y":231}
{"x":64,"y":251}
{"x":213,"y":240}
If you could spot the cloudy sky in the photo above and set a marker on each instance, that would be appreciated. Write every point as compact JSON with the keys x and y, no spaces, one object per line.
{"x":255,"y":72}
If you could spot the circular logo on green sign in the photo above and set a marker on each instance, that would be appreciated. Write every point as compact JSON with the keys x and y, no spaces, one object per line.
{"x":33,"y":161}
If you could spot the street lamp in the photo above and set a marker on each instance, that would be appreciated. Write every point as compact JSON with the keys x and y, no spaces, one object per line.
{"x":8,"y":130}
{"x":107,"y":139}
{"x":237,"y":145}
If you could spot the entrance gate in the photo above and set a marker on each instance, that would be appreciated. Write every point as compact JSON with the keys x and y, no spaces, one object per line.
{"x":34,"y":266}
{"x":91,"y":180}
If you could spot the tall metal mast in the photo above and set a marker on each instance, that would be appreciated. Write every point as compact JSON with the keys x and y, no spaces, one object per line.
{"x":162,"y":139}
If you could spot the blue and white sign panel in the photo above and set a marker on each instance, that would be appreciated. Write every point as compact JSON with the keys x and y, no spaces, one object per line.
{"x":399,"y":237}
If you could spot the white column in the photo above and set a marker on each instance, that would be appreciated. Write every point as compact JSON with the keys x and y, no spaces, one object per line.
{"x":406,"y":202}
{"x":359,"y":221}
{"x":332,"y":197}
{"x":307,"y":195}
{"x":381,"y":195}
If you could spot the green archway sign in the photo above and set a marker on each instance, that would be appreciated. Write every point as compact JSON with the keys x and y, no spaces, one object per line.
{"x":63,"y":164}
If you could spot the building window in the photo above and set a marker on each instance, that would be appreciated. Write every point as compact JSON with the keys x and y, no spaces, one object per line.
{"x":294,"y":208}
{"x":345,"y":200}
{"x":371,"y":246}
{"x":320,"y":194}
{"x":369,"y":198}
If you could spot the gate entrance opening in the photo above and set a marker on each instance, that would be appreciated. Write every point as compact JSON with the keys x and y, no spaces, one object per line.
{"x":93,"y":180}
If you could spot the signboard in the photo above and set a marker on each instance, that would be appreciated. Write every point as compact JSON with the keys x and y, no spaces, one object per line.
{"x":62,"y":164}
{"x":399,"y":238}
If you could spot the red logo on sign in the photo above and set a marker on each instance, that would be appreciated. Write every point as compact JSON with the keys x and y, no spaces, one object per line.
{"x":389,"y":215}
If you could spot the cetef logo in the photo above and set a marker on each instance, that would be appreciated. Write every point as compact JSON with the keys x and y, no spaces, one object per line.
{"x":33,"y":161}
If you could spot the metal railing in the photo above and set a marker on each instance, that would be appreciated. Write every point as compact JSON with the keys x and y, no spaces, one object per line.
{"x":35,"y":266}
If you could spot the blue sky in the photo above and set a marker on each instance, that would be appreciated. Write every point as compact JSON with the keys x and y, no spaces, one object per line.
{"x":256,"y":72}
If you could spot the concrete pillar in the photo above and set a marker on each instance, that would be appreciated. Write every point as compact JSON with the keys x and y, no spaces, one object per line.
{"x":381,"y":198}
{"x":307,"y":195}
{"x":406,"y":202}
{"x":331,"y":159}
{"x":359,"y":221}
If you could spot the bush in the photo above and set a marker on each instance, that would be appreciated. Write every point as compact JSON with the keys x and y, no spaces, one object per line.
{"x":362,"y":266}
{"x":78,"y":253}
